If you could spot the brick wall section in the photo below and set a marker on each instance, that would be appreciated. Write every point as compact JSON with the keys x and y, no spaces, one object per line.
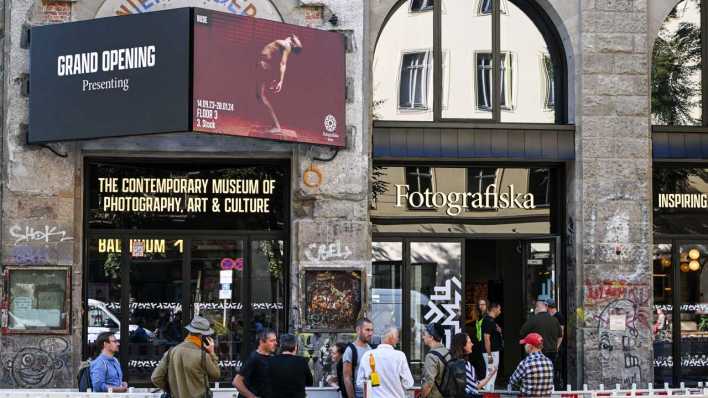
{"x":56,"y":12}
{"x":614,"y":170}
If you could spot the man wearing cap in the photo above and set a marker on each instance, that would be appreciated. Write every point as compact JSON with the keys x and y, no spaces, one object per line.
{"x":547,"y":326}
{"x":435,"y":360}
{"x":534,"y":375}
{"x":186,"y":369}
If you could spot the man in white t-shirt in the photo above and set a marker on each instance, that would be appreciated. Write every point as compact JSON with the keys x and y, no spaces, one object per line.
{"x":391,"y":366}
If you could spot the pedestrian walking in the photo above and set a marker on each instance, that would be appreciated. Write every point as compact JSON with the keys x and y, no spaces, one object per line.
{"x":289,"y":373}
{"x":385,"y":369}
{"x":493,"y":342}
{"x":252,"y":380}
{"x":354,"y":351}
{"x":547,"y":326}
{"x":105,"y":369}
{"x":533,"y":376}
{"x":186,"y":369}
{"x":462,"y":348}
{"x":435,"y":361}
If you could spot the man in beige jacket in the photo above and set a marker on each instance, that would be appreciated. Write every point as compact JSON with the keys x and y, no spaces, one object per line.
{"x":186,"y":369}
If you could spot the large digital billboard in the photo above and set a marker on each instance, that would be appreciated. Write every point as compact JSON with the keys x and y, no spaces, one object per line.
{"x":110,"y":77}
{"x":265,"y":79}
{"x":186,"y":70}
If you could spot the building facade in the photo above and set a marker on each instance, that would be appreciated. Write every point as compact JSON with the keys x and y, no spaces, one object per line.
{"x":502,"y":150}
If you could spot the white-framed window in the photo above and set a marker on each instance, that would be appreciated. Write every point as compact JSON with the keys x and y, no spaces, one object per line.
{"x":416,"y":69}
{"x":480,"y":178}
{"x":484,"y":81}
{"x":485,"y":7}
{"x":548,"y":83}
{"x":422,"y":5}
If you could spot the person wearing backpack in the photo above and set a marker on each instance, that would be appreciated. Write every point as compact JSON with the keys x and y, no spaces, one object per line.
{"x":385,"y":369}
{"x":354,"y":351}
{"x":185,"y":370}
{"x":435,"y":361}
{"x":105,"y":369}
{"x":460,"y":379}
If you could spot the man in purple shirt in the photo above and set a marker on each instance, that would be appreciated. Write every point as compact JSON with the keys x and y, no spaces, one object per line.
{"x":105,"y":369}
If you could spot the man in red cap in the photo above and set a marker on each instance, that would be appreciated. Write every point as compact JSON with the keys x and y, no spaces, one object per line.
{"x":534,"y":375}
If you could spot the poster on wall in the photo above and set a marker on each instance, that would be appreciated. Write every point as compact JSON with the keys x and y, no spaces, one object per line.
{"x":253,"y":8}
{"x":333,"y":299}
{"x":263,"y":79}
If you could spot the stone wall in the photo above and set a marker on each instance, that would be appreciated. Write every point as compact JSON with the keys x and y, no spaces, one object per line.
{"x":613,"y":155}
{"x":42,"y":192}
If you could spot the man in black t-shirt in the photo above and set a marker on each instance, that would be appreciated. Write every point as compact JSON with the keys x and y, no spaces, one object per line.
{"x":492,"y":342}
{"x":252,"y":380}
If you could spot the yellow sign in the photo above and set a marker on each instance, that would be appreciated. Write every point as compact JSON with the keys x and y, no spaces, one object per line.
{"x":148,"y":245}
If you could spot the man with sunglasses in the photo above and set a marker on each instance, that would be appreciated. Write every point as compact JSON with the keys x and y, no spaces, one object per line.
{"x":105,"y":369}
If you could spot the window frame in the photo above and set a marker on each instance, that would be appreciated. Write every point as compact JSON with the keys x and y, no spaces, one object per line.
{"x":509,"y":81}
{"x":555,"y":47}
{"x":549,"y":189}
{"x":427,"y":6}
{"x":482,"y":11}
{"x":703,"y":127}
{"x":432,"y":185}
{"x":7,"y":297}
{"x":427,"y":53}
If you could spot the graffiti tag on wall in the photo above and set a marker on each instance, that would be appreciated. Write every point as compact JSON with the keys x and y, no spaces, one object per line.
{"x":34,"y":366}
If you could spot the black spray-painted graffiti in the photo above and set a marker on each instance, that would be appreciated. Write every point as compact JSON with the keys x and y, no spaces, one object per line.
{"x":620,"y":342}
{"x":34,"y":367}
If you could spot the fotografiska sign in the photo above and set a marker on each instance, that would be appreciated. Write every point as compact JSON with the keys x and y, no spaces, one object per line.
{"x":455,"y":202}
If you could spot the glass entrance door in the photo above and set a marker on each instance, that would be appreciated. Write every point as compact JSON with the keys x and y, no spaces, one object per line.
{"x":155,"y":303}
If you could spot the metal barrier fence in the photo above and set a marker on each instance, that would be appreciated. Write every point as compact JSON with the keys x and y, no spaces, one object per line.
{"x":329,"y":392}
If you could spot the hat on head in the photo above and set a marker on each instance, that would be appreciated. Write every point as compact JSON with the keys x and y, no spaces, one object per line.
{"x":200,"y":325}
{"x":551,"y":303}
{"x":534,"y":339}
{"x":435,"y":330}
{"x":544,"y":298}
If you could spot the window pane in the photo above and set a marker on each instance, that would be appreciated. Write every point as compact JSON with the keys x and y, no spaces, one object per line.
{"x":540,"y":274}
{"x":155,"y":314}
{"x":680,"y":200}
{"x":435,"y":267}
{"x":38,"y":299}
{"x":466,"y":44}
{"x":103,"y":290}
{"x":693,"y":288}
{"x":676,"y":73}
{"x":386,"y":298}
{"x":540,"y":186}
{"x":662,"y":316}
{"x":268,"y":283}
{"x":479,"y":179}
{"x":403,"y":64}
{"x":527,"y":70}
{"x":217,"y":284}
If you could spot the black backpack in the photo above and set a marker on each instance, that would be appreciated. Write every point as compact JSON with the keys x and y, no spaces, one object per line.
{"x":84,"y":376}
{"x":355,"y":363}
{"x":454,"y":377}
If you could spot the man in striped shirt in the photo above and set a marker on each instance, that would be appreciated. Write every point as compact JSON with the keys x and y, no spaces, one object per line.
{"x":534,"y":375}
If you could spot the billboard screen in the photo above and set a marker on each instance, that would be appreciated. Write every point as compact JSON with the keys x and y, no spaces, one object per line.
{"x":110,"y":77}
{"x":264,"y":79}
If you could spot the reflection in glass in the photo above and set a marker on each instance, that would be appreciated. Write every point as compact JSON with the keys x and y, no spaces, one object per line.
{"x":466,"y":43}
{"x":103,"y":290}
{"x":37,"y":299}
{"x":676,"y":68}
{"x":540,"y":273}
{"x":528,"y":82}
{"x":155,"y":316}
{"x":662,"y":325}
{"x":217,"y":283}
{"x":403,"y":64}
{"x":540,"y":186}
{"x":386,"y":298}
{"x":484,"y":81}
{"x":433,"y":265}
{"x":693,"y":288}
{"x":480,"y":178}
{"x":267,"y":287}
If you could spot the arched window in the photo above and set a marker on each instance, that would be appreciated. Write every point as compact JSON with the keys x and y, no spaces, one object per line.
{"x":677,"y":68}
{"x":435,"y":61}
